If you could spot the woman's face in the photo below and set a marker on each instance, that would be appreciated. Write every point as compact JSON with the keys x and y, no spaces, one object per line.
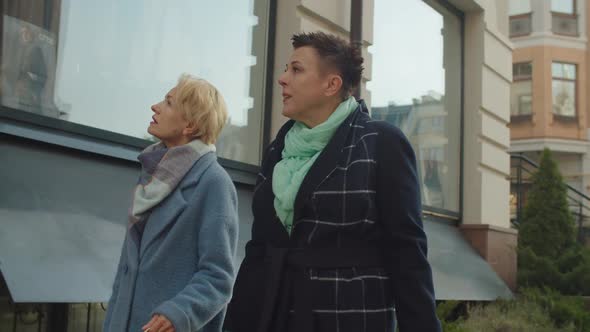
{"x":168,"y":124}
{"x":303,"y":84}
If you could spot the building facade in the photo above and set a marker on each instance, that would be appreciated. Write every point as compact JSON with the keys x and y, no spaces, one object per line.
{"x":77,"y":80}
{"x":549,"y":103}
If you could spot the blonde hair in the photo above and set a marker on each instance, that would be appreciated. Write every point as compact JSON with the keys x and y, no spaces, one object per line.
{"x":202,"y":105}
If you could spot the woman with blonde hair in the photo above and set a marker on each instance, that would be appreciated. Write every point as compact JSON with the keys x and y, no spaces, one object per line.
{"x":176,"y":267}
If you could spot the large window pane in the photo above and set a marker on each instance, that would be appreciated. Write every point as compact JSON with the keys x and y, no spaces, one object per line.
{"x":564,"y":98}
{"x":521,"y":98}
{"x":563,"y":70}
{"x":103,"y":64}
{"x":417,"y":87}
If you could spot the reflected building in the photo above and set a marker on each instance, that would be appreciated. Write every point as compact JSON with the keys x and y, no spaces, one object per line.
{"x":549,"y":96}
{"x":424,"y":124}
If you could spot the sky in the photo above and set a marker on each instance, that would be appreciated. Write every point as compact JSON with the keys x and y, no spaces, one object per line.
{"x":117,"y":58}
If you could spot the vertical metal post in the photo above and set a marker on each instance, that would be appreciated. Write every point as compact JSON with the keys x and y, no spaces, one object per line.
{"x":58,"y":317}
{"x":580,"y":221}
{"x":14,"y":313}
{"x":88,"y":318}
{"x":519,"y":192}
{"x":48,"y":14}
{"x":39,"y":317}
{"x":356,"y":31}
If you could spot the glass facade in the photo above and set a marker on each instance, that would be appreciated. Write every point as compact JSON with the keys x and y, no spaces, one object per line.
{"x":416,"y":85}
{"x":104,"y":64}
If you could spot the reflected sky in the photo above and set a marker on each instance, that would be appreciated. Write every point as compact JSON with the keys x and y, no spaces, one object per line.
{"x":407,"y":52}
{"x":117,"y":58}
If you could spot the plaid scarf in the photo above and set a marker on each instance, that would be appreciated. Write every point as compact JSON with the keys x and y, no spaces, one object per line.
{"x":161,"y":170}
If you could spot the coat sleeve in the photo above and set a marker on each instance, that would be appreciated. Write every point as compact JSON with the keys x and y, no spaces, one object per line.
{"x":404,"y":244}
{"x":111,"y":305}
{"x":210,"y":288}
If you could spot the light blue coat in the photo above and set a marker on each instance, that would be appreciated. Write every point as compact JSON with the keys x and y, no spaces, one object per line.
{"x":183,"y":267}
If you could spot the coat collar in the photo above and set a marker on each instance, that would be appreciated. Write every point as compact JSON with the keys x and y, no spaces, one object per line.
{"x":169,"y":209}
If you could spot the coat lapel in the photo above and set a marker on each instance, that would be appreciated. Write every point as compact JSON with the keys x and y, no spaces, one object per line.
{"x":266,"y":191}
{"x":169,"y":210}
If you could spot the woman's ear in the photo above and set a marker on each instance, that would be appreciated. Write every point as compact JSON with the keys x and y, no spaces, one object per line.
{"x":334,"y":85}
{"x":190,"y":130}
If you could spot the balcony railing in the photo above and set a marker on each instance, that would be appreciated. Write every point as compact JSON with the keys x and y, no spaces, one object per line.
{"x":565,"y":24}
{"x":520,"y":25}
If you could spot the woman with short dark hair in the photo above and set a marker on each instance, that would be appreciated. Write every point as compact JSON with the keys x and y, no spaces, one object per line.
{"x":337,"y":239}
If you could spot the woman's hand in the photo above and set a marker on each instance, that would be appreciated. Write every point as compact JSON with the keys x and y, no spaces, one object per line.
{"x":158,"y":323}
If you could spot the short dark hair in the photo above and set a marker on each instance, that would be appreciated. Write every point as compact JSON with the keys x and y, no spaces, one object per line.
{"x":336,"y":52}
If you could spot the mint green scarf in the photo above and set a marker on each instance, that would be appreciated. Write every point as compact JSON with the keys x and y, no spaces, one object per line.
{"x":303,"y":145}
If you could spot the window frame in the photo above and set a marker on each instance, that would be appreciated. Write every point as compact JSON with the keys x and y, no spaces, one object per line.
{"x":455,"y":216}
{"x":575,"y":81}
{"x":522,"y":78}
{"x":72,"y":135}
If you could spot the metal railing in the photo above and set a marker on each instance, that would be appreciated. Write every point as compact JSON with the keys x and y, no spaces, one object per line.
{"x":521,"y":171}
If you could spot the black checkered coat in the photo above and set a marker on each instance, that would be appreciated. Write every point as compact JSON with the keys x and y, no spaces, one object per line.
{"x":362,"y":191}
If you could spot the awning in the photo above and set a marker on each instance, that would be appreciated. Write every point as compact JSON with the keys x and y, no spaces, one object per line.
{"x":66,"y":257}
{"x":458,"y":270}
{"x":58,"y":257}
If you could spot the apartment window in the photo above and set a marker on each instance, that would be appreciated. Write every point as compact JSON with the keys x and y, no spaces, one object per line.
{"x":564,"y":89}
{"x":521,"y":92}
{"x":520,"y":18}
{"x":418,"y":89}
{"x":564,"y":17}
{"x":104,"y":64}
{"x":562,"y":6}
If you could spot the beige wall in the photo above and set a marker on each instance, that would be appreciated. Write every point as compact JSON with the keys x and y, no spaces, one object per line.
{"x":488,"y":74}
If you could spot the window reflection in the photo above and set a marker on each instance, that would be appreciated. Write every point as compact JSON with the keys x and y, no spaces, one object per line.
{"x":417,"y":87}
{"x":563,"y":6}
{"x":104,"y":64}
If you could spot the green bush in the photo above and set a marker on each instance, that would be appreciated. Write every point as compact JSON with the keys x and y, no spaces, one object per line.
{"x":510,"y":316}
{"x":534,"y":309}
{"x":577,"y":275}
{"x":548,"y":255}
{"x":563,"y":310}
{"x":547,"y":227}
{"x":447,"y":311}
